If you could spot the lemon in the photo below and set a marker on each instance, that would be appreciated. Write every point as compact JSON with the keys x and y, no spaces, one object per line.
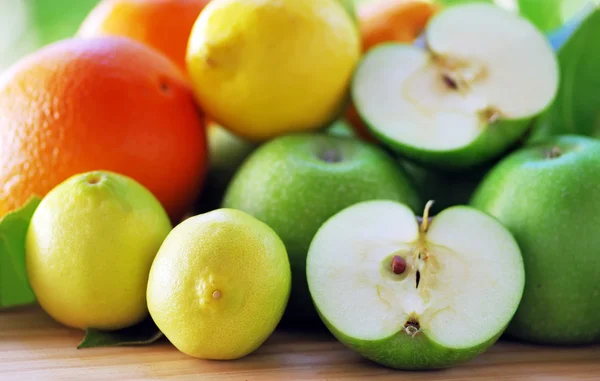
{"x":219,"y":285}
{"x":263,"y":68}
{"x":89,"y":249}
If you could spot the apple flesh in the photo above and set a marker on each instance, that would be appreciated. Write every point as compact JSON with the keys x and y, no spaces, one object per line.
{"x":547,"y":195}
{"x":466,"y":97}
{"x":462,"y":282}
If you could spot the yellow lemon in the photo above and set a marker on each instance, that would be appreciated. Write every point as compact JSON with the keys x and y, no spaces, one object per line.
{"x":219,"y":285}
{"x":89,"y":249}
{"x":263,"y":68}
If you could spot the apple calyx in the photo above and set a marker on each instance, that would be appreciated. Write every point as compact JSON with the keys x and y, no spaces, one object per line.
{"x":554,"y":153}
{"x":412,"y":327}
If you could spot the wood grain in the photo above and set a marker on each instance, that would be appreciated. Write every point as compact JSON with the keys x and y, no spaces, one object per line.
{"x":33,"y":347}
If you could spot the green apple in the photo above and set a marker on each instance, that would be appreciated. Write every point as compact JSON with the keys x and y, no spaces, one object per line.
{"x":295,"y":183}
{"x":226,"y":153}
{"x":547,"y":195}
{"x":412,"y":295}
{"x":468,"y":96}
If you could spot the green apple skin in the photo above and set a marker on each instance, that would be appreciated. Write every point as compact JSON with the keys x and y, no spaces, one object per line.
{"x":401,"y":351}
{"x":498,"y":138}
{"x":226,"y":153}
{"x":551,"y":207}
{"x":285,"y":184}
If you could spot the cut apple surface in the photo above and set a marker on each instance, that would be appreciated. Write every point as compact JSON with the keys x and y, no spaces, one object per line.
{"x":462,"y":281}
{"x":465,"y":98}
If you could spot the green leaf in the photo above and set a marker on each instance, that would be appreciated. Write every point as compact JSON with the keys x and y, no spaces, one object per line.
{"x":550,"y":14}
{"x":560,"y":36}
{"x":143,"y":333}
{"x":547,"y":15}
{"x":58,"y":19}
{"x":14,"y":285}
{"x":576,"y":109}
{"x":350,"y":7}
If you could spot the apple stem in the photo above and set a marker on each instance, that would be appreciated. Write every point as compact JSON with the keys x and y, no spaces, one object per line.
{"x":425,"y":221}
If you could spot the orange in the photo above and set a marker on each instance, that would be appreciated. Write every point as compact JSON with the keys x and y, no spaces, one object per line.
{"x":388,"y":21}
{"x":393,"y":20}
{"x":162,"y":24}
{"x":102,"y":104}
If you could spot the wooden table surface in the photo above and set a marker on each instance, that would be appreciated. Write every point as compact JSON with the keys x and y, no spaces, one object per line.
{"x":33,"y":347}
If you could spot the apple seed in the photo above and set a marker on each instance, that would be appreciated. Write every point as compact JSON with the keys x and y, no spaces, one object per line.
{"x":450,"y":82}
{"x":398,"y":265}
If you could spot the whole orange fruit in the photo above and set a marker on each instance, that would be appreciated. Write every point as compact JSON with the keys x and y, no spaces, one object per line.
{"x":162,"y":24}
{"x":101,"y":104}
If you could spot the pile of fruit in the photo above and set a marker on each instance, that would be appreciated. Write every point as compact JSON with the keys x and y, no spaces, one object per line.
{"x":419,"y":177}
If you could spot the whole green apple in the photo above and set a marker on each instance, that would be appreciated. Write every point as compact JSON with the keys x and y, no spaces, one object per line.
{"x":295,"y":183}
{"x":226,"y":153}
{"x":548,"y":196}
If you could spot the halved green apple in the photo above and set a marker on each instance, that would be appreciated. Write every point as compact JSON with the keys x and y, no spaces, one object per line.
{"x":415,"y":295}
{"x":466,"y":97}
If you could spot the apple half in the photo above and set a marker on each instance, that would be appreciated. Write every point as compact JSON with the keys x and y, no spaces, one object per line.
{"x":464,"y":97}
{"x":415,"y":295}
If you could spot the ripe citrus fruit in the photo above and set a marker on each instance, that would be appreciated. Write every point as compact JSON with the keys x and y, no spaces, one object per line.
{"x":106,"y":103}
{"x":162,"y":24}
{"x":393,"y":20}
{"x":89,"y":249}
{"x":263,"y":68}
{"x":219,"y":285}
